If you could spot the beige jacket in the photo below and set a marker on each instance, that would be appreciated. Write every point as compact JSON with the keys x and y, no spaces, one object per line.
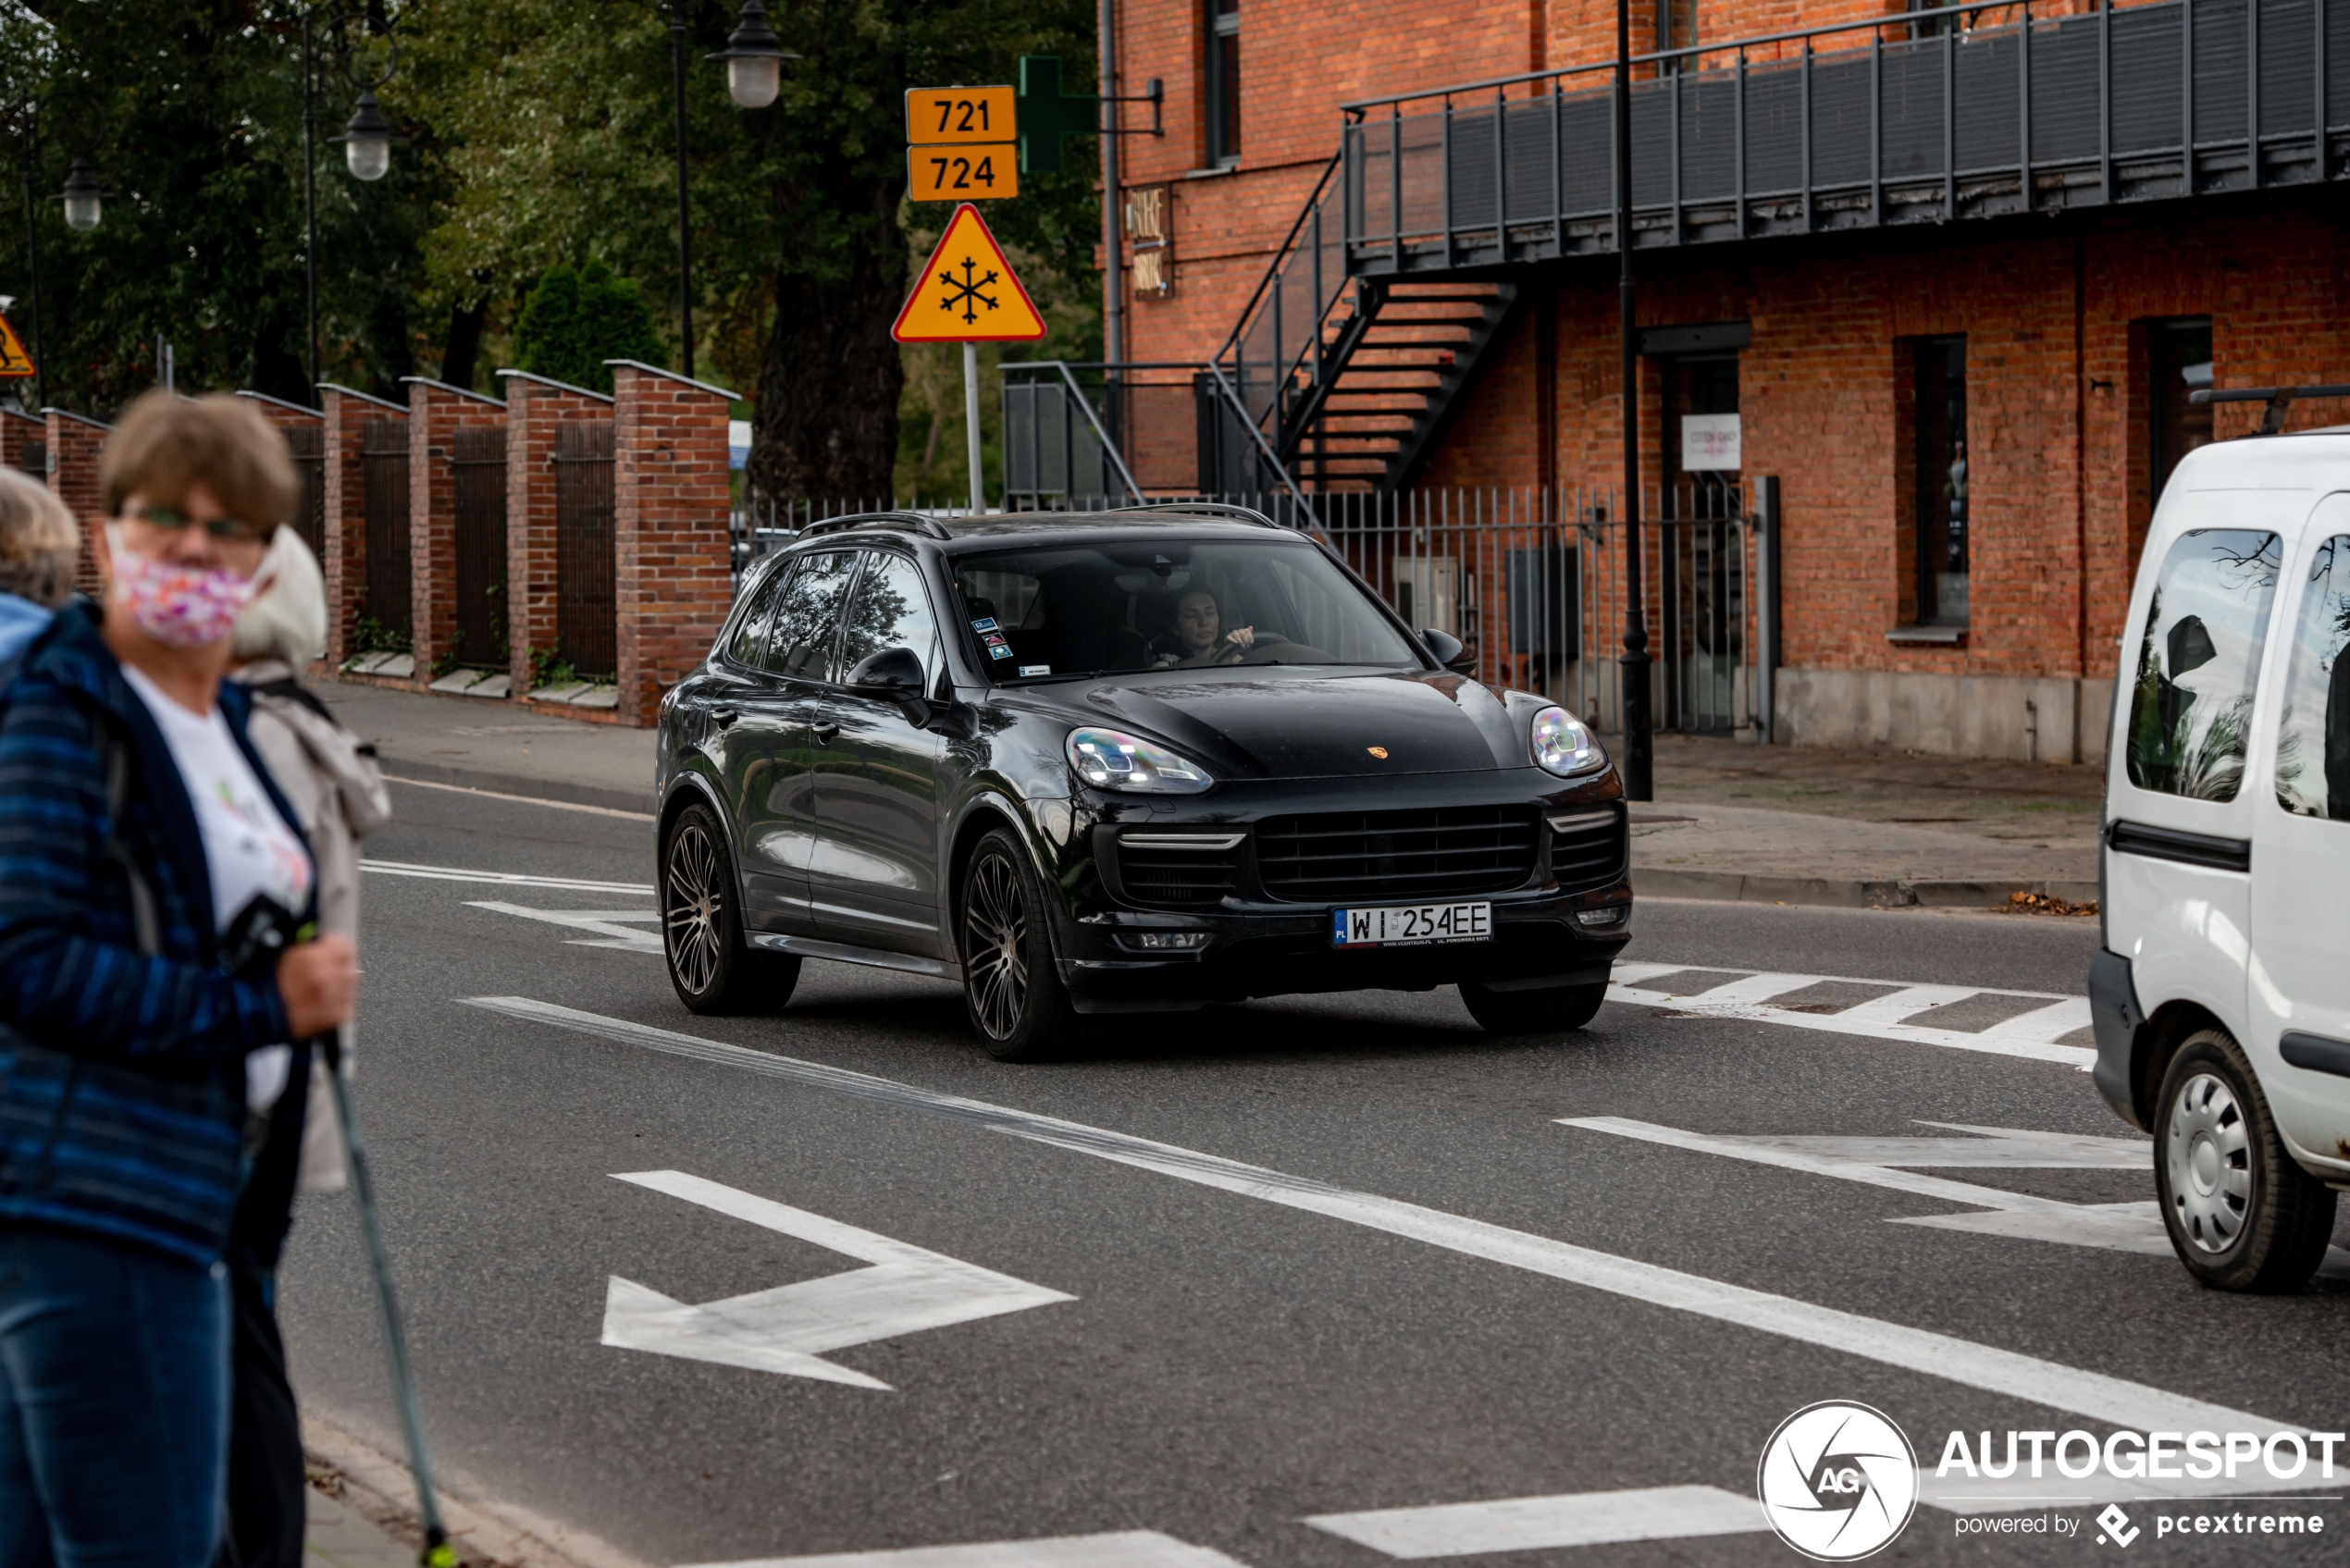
{"x":338,"y":793}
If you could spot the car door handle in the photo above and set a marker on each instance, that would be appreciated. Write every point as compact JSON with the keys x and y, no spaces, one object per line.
{"x":721,"y":717}
{"x":823,"y":730}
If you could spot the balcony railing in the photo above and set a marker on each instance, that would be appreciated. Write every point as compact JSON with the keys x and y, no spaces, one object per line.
{"x":1966,"y":112}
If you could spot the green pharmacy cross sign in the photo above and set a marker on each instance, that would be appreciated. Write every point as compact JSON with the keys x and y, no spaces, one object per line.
{"x":1046,"y":114}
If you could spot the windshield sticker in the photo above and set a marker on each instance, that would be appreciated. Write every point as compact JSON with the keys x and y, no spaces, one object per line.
{"x":985,"y":624}
{"x":999,"y":651}
{"x":994,"y":639}
{"x":1036,"y":669}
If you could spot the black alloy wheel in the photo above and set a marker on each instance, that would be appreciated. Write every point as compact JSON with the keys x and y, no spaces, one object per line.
{"x":713,"y":967}
{"x":1014,"y":993}
{"x":2241,"y":1214}
{"x":1551,"y":1010}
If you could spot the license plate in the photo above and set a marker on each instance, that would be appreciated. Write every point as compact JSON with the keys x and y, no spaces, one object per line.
{"x":1412,"y":925}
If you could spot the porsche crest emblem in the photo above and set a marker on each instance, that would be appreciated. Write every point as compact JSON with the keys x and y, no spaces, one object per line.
{"x":1377,"y":751}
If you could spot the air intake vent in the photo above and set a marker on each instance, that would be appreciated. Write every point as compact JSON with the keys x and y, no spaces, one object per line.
{"x":1178,"y":872}
{"x":1588,"y":847}
{"x":1400,"y":855}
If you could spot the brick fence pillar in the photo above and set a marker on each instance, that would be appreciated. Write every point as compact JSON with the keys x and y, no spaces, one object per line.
{"x":73,"y":442}
{"x":24,"y":444}
{"x":535,"y":406}
{"x":435,"y":412}
{"x":303,"y":430}
{"x":674,"y":551}
{"x":344,"y":558}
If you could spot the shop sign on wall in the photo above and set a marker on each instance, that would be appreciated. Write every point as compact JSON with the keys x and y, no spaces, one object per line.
{"x":1150,"y":239}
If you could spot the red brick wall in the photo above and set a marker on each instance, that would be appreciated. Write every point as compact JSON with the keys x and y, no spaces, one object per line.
{"x":19,"y":431}
{"x":435,"y":413}
{"x":74,"y":443}
{"x":670,"y":505}
{"x":533,"y":407}
{"x":347,"y":414}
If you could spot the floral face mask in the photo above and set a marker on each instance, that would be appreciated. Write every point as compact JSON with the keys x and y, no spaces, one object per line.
{"x":184,"y":606}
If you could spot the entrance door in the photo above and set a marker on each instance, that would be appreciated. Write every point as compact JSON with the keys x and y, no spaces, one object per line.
{"x":2301,"y":855}
{"x":792,"y":632}
{"x":1703,"y":557}
{"x":875,"y":876}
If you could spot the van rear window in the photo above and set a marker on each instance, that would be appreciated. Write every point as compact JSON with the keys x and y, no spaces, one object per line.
{"x":2313,"y":733}
{"x":2198,"y":661}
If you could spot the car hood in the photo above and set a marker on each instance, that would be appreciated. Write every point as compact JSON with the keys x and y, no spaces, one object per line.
{"x":1267,"y":724}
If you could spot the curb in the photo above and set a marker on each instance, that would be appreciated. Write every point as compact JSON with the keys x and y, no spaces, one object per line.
{"x":566,"y":792}
{"x":1925,"y":893}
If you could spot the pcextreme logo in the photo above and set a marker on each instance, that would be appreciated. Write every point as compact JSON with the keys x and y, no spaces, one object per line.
{"x":1837,"y":1481}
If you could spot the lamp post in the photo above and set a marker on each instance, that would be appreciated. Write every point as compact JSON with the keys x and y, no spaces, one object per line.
{"x":366,"y":139}
{"x":85,"y":204}
{"x":754,"y":58}
{"x":33,"y":252}
{"x":1639,"y":744}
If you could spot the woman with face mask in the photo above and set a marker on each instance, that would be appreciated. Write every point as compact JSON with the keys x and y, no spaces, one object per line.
{"x":141,"y":1047}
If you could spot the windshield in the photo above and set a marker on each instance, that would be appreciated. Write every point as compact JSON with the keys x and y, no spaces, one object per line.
{"x":1089,"y":610}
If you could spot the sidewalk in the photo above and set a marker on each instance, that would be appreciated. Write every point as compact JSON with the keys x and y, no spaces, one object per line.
{"x":1772,"y":824}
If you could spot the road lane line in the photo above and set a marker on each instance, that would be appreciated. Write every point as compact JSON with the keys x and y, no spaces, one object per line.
{"x":1536,"y":1523}
{"x":614,"y":928}
{"x":502,"y":879}
{"x":1745,"y":995}
{"x":1125,"y":1548}
{"x":2035,"y":1381}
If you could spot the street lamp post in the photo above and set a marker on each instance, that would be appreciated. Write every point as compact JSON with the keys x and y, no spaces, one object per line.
{"x":367,"y":141}
{"x":33,"y":254}
{"x":754,"y":58}
{"x":1639,"y":744}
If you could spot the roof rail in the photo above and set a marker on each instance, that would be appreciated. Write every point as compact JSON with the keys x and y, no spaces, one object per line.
{"x":2273,"y":422}
{"x":1210,"y":508}
{"x":906,"y":522}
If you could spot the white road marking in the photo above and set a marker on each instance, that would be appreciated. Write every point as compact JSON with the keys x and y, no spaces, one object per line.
{"x":503,"y":879}
{"x":1746,"y":995}
{"x":2127,"y":1227}
{"x":611,"y":926}
{"x":522,"y":799}
{"x":1535,"y":1524}
{"x":2048,"y":1384}
{"x":907,"y":1291}
{"x":1126,"y":1549}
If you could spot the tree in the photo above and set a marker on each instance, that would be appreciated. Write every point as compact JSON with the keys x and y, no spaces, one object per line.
{"x":573,"y":321}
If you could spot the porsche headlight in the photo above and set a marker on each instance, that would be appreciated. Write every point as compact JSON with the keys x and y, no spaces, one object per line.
{"x":1110,"y":759}
{"x":1562,"y":746}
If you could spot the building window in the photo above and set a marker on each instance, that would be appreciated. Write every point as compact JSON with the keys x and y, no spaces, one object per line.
{"x":1223,"y":82}
{"x":2180,"y":356}
{"x":1940,"y":412}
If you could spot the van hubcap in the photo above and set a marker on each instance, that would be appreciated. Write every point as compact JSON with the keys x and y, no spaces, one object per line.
{"x":2208,"y":1156}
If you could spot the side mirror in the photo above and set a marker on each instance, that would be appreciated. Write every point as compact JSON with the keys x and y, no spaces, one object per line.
{"x":892,"y":672}
{"x":1444,"y":646}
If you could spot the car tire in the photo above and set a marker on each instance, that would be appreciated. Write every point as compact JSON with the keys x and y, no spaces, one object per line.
{"x":714,"y":970}
{"x":1011,"y":987}
{"x":2241,"y":1214}
{"x":1552,"y":1011}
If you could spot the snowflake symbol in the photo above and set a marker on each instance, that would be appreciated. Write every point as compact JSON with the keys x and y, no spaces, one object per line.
{"x":964,"y":291}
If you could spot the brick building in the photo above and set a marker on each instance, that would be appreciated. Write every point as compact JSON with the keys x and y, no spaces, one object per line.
{"x":1948,"y":278}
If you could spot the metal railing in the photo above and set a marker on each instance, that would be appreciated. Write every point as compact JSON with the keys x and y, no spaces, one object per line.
{"x":1968,"y":111}
{"x":1290,"y":336}
{"x":1130,"y":431}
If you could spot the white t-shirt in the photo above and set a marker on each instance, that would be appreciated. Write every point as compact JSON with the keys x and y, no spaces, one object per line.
{"x":248,"y":848}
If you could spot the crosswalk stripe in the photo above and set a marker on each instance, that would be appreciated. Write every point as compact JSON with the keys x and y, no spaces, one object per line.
{"x":1535,"y":1524}
{"x":1748,"y":996}
{"x":1122,"y":1549}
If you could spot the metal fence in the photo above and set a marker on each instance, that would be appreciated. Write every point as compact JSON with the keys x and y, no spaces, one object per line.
{"x":477,"y":468}
{"x":1132,"y":431}
{"x":586,"y":572}
{"x":307,"y":442}
{"x":383,"y":461}
{"x":1978,"y":110}
{"x":1532,"y":583}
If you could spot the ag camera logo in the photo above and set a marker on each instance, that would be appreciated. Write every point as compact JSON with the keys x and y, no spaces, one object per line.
{"x":1837,"y":1481}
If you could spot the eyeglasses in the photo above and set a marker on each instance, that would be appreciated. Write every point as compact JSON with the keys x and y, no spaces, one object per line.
{"x":218,"y":527}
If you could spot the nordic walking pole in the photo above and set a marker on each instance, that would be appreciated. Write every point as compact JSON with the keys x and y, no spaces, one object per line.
{"x":436,"y":1553}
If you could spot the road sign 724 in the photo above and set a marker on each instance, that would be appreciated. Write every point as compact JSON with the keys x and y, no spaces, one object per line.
{"x":988,"y":172}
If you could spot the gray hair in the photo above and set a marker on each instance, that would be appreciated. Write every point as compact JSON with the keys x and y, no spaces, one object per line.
{"x":39,"y":542}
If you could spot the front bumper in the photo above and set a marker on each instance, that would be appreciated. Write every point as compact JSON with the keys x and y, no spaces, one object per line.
{"x":1546,"y":933}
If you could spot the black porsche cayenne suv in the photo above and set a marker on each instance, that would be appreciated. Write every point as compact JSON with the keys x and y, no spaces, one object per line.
{"x":1122,"y":761}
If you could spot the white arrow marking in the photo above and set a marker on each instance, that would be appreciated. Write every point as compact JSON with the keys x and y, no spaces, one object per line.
{"x":785,"y":1330}
{"x":606,"y":924}
{"x":1540,"y":1524}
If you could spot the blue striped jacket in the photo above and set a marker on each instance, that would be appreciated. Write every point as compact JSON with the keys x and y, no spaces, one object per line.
{"x":122,"y":1103}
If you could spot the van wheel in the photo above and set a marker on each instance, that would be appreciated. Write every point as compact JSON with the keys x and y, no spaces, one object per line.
{"x":2241,"y":1215}
{"x":1010,"y":986}
{"x":713,"y":967}
{"x":1552,"y":1010}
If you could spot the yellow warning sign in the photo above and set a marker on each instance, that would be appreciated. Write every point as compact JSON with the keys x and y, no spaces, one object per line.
{"x":967,"y":292}
{"x":15,"y":363}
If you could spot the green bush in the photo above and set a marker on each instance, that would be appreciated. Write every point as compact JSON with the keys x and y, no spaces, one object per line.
{"x":575,"y":321}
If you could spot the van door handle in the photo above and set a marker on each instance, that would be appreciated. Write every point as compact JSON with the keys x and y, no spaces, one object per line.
{"x":721,"y":717}
{"x":823,"y":730}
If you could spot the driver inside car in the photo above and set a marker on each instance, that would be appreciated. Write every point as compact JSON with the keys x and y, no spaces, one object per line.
{"x":1198,"y":639}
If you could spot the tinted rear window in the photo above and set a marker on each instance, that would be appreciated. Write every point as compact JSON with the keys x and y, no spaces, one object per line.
{"x":2198,"y":661}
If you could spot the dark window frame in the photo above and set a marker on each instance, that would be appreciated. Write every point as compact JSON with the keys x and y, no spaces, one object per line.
{"x":1938,"y":442}
{"x":2169,"y":342}
{"x":1224,"y":100}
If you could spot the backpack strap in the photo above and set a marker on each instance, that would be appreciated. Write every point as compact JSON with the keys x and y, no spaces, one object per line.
{"x":142,"y":899}
{"x":294,"y":690}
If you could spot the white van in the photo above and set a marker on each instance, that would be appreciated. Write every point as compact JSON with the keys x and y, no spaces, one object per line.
{"x":2222,"y":996}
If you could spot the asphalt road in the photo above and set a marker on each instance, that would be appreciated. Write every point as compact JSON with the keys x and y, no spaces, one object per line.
{"x":1429,"y":1292}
